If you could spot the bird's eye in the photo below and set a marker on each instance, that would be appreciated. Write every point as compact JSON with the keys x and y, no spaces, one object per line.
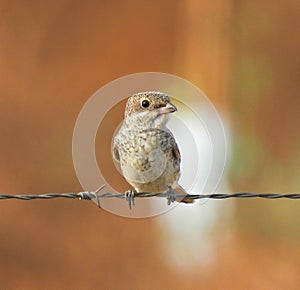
{"x":145,"y":104}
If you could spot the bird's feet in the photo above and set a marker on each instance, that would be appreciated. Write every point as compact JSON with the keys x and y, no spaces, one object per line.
{"x":129,"y":196}
{"x":171,"y":196}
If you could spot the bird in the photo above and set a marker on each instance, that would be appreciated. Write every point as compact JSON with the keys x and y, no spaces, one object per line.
{"x":145,"y":150}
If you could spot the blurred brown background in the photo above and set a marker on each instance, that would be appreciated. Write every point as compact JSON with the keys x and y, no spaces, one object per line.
{"x":54,"y":55}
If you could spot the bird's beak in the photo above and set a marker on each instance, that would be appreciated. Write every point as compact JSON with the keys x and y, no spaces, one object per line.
{"x":168,"y":108}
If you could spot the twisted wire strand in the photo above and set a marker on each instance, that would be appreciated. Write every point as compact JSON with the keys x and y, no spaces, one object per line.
{"x":88,"y":195}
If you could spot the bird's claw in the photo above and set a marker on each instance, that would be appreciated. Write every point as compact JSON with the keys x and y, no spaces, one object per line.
{"x":129,"y":196}
{"x":171,"y":196}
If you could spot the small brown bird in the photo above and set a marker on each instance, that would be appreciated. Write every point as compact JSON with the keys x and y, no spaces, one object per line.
{"x":146,"y":150}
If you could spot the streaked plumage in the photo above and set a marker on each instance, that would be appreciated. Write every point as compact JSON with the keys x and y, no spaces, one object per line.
{"x":144,"y":148}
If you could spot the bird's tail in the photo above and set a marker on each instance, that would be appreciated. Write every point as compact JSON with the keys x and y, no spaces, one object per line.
{"x":179,"y":190}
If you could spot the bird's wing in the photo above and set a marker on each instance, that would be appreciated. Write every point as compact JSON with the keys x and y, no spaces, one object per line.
{"x":116,"y":154}
{"x":116,"y":157}
{"x":175,"y":150}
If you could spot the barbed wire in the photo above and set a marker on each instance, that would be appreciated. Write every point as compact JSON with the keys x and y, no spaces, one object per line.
{"x":89,"y":195}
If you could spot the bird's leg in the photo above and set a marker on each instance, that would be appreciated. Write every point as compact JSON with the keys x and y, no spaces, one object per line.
{"x":171,"y":195}
{"x":129,"y":196}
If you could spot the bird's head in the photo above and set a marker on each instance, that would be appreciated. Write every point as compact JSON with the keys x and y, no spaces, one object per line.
{"x":155,"y":102}
{"x":151,"y":108}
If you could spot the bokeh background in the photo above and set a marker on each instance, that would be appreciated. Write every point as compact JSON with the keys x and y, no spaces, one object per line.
{"x":243,"y":54}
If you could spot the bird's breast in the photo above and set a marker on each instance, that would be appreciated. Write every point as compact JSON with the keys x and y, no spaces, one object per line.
{"x":146,"y":158}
